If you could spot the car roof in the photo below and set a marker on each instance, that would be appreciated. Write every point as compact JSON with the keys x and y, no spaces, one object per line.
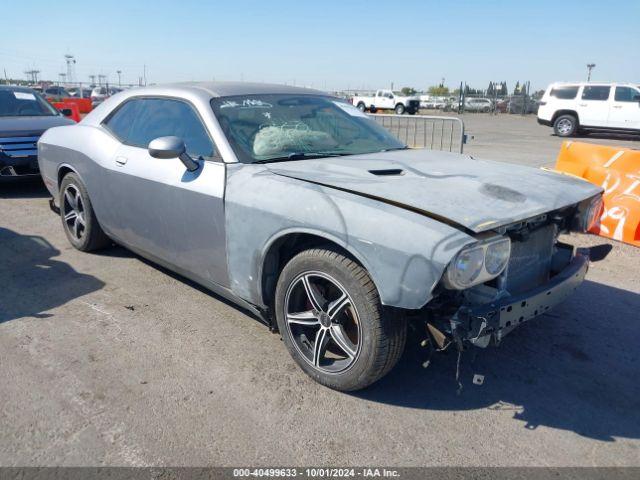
{"x":226,"y":89}
{"x":622,"y":84}
{"x":16,"y":87}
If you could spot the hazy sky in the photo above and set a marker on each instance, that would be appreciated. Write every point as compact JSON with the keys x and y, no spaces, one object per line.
{"x":325,"y":43}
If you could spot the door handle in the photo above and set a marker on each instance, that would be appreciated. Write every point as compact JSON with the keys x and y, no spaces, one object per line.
{"x":617,"y":106}
{"x":121,"y":160}
{"x":583,"y":105}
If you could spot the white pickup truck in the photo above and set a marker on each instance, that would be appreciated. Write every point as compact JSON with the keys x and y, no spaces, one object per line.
{"x":387,"y":100}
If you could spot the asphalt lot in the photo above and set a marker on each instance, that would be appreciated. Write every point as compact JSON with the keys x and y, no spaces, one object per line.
{"x":519,"y":139}
{"x":106,"y":359}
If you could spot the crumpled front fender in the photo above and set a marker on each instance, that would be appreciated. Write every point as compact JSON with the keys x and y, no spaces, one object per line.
{"x":404,"y":252}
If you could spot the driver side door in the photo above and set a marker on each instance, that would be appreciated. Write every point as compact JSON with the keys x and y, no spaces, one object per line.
{"x":163,"y":211}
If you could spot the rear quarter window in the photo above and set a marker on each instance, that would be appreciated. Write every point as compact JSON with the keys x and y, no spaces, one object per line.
{"x":565,"y":92}
{"x":120,"y":121}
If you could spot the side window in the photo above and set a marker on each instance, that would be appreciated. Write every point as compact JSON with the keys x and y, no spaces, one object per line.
{"x":120,"y":122}
{"x":159,"y":117}
{"x":626,"y":94}
{"x":567,"y":92}
{"x":595,"y":93}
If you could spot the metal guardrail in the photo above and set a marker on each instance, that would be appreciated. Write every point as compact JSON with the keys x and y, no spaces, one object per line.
{"x":425,"y":131}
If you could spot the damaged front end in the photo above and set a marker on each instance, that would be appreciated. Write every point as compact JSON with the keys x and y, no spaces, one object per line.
{"x":536,"y":272}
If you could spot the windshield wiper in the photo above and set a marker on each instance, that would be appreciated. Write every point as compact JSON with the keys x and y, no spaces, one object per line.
{"x":301,"y":156}
{"x":392,"y":149}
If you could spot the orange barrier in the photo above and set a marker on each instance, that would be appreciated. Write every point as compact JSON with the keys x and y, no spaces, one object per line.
{"x":617,"y":170}
{"x":75,"y":111}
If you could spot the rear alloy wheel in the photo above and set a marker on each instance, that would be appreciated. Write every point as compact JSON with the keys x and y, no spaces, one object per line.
{"x":565,"y":126}
{"x":332,"y":322}
{"x":362,"y":107}
{"x":78,"y":219}
{"x":399,"y":109}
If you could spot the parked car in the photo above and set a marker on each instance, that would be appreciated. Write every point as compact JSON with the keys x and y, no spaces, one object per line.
{"x":298,"y":207}
{"x":99,"y":94}
{"x":572,"y":108}
{"x":55,"y":92}
{"x":75,"y":92}
{"x":519,"y":104}
{"x":24,"y":116}
{"x":502,"y":105}
{"x":451,"y":105}
{"x":431,"y":102}
{"x":387,"y":100}
{"x":472,"y":104}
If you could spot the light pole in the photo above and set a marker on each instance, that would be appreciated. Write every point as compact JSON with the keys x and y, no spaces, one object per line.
{"x":590,"y":66}
{"x":119,"y":72}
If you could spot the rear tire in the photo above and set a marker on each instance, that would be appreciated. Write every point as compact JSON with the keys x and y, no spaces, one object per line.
{"x":399,"y":109}
{"x":362,"y":340}
{"x":362,"y":107}
{"x":565,"y":125}
{"x":372,"y":109}
{"x":78,"y":218}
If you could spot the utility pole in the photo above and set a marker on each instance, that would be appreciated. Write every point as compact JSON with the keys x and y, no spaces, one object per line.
{"x":93,"y":80}
{"x":119,"y":72}
{"x":101,"y":78}
{"x":71,"y":61}
{"x":33,"y":73}
{"x":144,"y":74}
{"x":590,"y":66}
{"x":62,"y":77}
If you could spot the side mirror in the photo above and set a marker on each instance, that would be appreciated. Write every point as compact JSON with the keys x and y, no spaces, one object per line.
{"x":172,"y":147}
{"x":67,"y":112}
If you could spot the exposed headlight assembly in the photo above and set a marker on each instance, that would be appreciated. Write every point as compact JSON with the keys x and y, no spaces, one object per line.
{"x":593,"y":213}
{"x":478,"y":263}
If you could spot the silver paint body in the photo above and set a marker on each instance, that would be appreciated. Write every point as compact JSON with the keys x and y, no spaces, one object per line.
{"x":217,"y":224}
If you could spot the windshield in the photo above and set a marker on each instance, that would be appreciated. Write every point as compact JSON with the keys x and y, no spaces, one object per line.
{"x":262,"y":128}
{"x":24,"y":103}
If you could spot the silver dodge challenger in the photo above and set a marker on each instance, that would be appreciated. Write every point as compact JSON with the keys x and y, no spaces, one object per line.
{"x":299,"y":208}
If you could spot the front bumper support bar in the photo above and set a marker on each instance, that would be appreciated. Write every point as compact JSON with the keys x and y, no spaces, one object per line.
{"x":481,"y":324}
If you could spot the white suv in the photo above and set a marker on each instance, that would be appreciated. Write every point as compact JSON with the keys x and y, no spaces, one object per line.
{"x":574,"y":107}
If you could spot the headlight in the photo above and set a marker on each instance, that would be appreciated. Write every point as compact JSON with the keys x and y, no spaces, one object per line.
{"x":589,"y":213}
{"x":478,"y":263}
{"x":594,"y":212}
{"x":466,"y":266}
{"x":497,"y":256}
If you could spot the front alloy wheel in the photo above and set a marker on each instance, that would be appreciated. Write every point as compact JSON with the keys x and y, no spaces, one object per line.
{"x":322,"y":322}
{"x":332,"y":320}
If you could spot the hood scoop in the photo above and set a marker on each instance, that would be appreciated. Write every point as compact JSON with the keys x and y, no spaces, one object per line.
{"x":387,"y":172}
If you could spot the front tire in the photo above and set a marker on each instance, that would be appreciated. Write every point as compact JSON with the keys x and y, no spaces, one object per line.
{"x":399,"y":109}
{"x":362,"y":107}
{"x":333,"y":323}
{"x":565,"y":126}
{"x":78,"y":218}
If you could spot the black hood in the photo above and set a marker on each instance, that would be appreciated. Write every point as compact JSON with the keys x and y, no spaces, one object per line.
{"x":30,"y":126}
